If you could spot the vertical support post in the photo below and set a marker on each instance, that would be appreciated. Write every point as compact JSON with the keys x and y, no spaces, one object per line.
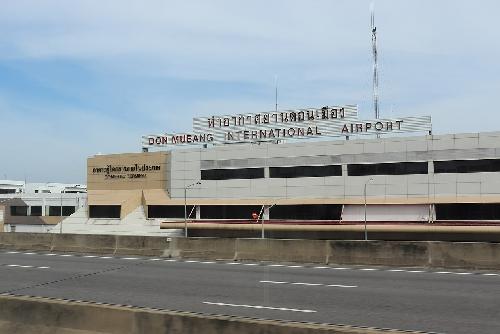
{"x":185,"y":213}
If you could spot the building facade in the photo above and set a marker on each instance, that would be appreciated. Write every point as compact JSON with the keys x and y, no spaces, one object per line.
{"x":38,"y":207}
{"x":420,"y":179}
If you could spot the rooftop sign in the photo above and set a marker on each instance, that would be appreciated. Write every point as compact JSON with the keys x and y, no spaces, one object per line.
{"x":336,"y":121}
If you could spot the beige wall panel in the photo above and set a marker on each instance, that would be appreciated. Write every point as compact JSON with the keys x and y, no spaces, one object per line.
{"x":128,"y":172}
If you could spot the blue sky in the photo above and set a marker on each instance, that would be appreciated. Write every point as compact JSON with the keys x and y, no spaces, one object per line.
{"x":82,"y":77}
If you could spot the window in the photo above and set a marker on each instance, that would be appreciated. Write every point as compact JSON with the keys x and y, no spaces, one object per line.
{"x":306,"y":212}
{"x":228,"y":174}
{"x":169,"y":211}
{"x":305,"y":171}
{"x":467,"y":166}
{"x":104,"y":211}
{"x":393,"y":168}
{"x":18,"y":210}
{"x":36,"y":211}
{"x":229,"y":211}
{"x":54,"y":210}
{"x":468,"y":211}
{"x":68,"y":210}
{"x":7,"y":191}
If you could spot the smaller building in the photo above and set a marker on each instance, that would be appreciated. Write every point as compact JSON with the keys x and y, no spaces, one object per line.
{"x":38,"y":207}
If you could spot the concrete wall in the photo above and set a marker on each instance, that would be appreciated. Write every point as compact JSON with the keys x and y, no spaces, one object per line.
{"x":27,"y":315}
{"x":393,"y":253}
{"x":396,"y":189}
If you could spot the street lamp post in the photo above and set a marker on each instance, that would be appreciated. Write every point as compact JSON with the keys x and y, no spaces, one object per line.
{"x":364,"y":195}
{"x":185,"y":207}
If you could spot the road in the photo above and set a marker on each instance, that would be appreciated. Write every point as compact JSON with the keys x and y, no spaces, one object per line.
{"x":410,"y":299}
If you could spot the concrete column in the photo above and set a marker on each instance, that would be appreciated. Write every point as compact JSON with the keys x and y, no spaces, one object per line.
{"x":266,"y":172}
{"x":265,"y":214}
{"x":43,"y":206}
{"x":198,"y":215}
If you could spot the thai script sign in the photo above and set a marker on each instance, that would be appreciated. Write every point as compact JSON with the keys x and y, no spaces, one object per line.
{"x":328,"y":121}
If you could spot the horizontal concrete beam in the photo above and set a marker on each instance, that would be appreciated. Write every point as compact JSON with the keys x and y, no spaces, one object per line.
{"x":429,"y":228}
{"x":27,"y":315}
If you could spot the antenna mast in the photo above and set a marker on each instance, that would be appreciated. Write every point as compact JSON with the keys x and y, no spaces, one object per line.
{"x":375,"y":72}
{"x":276,"y":92}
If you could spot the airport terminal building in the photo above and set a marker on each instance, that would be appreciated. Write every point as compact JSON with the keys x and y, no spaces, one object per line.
{"x":232,"y":167}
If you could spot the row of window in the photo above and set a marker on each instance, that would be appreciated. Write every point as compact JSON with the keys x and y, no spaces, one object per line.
{"x":462,"y":211}
{"x":390,"y":168}
{"x":307,"y":211}
{"x":468,"y":211}
{"x":36,"y":210}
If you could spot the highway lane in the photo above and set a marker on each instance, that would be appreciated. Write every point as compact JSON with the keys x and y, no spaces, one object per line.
{"x":411,"y":299}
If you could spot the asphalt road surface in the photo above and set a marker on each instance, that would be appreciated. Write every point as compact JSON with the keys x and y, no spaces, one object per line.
{"x":441,"y":301}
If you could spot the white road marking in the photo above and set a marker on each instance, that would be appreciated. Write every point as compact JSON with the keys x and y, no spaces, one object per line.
{"x":368,"y":269}
{"x":66,"y":255}
{"x":261,"y":307}
{"x":50,"y":254}
{"x":208,"y":262}
{"x":307,"y":284}
{"x":130,"y":258}
{"x":463,"y":273}
{"x":416,"y":271}
{"x":249,"y":264}
{"x":13,"y":252}
{"x":443,"y":272}
{"x":340,"y":268}
{"x":105,"y":257}
{"x":397,"y":270}
{"x":171,"y":260}
{"x":191,"y":261}
{"x":342,"y":286}
{"x":276,"y":265}
{"x":24,"y":266}
{"x":311,"y":284}
{"x":90,"y":256}
{"x":275,"y":282}
{"x":321,"y":267}
{"x":490,"y":274}
{"x":295,"y":266}
{"x":29,"y":253}
{"x":155,"y":259}
{"x":233,"y":263}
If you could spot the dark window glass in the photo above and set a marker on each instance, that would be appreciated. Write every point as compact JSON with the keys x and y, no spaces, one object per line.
{"x":229,"y":211}
{"x":468,"y":211}
{"x":36,"y":211}
{"x":68,"y":210}
{"x":7,"y":191}
{"x":104,"y":211}
{"x":392,"y":168}
{"x":169,"y":211}
{"x":467,"y":166}
{"x":305,"y":171}
{"x":306,"y":212}
{"x":54,"y":210}
{"x":18,"y":210}
{"x":228,"y":174}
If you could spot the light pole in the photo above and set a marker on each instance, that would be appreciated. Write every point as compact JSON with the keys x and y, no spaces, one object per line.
{"x":364,"y":195}
{"x":185,"y":207}
{"x":262,"y":234}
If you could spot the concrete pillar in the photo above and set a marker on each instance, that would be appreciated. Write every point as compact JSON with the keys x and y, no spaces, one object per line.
{"x":198,"y":215}
{"x":265,"y":214}
{"x":44,"y":206}
{"x":266,"y":172}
